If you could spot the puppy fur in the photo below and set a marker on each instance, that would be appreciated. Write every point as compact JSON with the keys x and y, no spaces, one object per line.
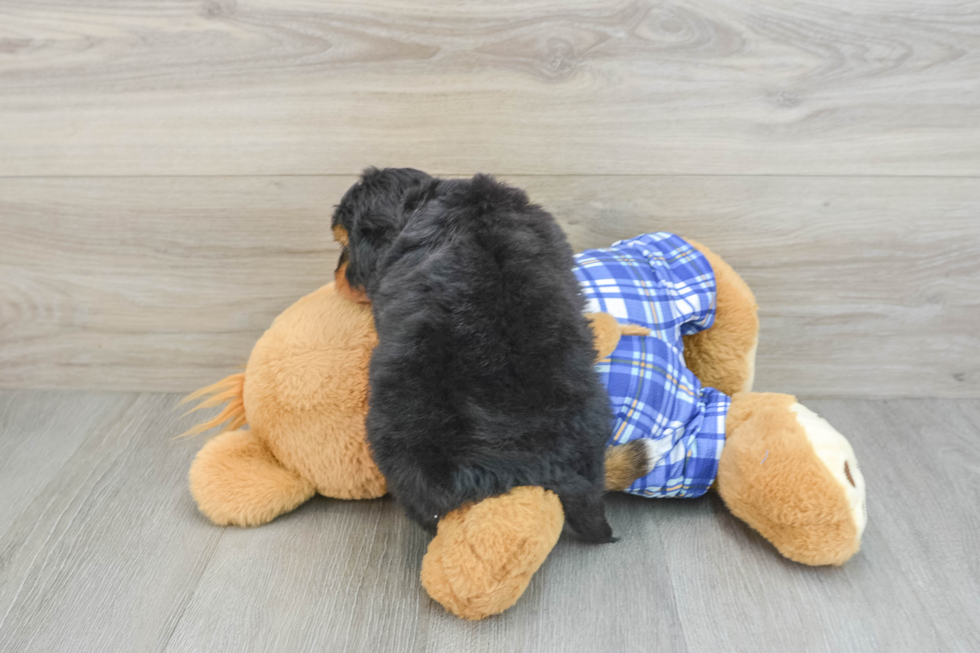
{"x":483,"y":378}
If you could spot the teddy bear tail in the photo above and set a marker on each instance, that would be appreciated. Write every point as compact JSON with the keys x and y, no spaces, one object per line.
{"x":230,"y":391}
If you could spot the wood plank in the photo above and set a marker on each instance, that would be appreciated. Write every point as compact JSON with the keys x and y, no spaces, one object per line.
{"x":30,"y":462}
{"x":106,"y":557}
{"x":333,"y":575}
{"x":866,"y":285}
{"x":344,"y":575}
{"x":152,"y":283}
{"x":924,"y":476}
{"x":583,"y":86}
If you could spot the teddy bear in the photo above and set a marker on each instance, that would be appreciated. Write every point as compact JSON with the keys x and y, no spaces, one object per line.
{"x":676,"y":331}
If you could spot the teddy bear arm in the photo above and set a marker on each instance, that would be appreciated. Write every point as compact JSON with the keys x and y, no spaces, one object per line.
{"x":236,"y":480}
{"x":484,"y":554}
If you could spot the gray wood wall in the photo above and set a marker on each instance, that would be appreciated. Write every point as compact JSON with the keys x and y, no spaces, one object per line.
{"x":167,"y":168}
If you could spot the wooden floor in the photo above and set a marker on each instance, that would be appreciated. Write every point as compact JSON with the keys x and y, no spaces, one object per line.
{"x":102,"y":549}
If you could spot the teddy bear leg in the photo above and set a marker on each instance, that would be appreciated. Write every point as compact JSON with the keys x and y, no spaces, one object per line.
{"x":723,"y":356}
{"x":484,"y":554}
{"x":235,"y":480}
{"x":791,"y":476}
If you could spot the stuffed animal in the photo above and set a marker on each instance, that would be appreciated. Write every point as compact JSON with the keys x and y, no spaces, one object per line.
{"x":679,"y":379}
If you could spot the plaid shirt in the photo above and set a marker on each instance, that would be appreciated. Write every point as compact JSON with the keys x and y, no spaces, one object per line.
{"x":659,"y":281}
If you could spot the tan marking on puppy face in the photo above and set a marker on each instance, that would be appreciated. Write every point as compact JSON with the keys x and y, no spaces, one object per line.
{"x":344,"y":289}
{"x":340,"y":235}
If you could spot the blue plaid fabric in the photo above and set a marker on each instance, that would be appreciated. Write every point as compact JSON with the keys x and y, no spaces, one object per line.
{"x":659,"y":281}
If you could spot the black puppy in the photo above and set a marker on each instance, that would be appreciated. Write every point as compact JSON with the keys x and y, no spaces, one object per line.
{"x":483,"y":379}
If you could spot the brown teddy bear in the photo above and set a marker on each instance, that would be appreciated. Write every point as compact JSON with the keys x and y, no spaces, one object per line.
{"x":777,"y":465}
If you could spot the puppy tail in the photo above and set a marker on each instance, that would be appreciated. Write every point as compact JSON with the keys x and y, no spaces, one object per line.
{"x":229,"y":391}
{"x":627,"y":462}
{"x":583,"y":505}
{"x":585,"y":513}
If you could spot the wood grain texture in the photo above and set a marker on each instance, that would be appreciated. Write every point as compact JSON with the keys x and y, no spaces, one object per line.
{"x":106,"y":556}
{"x":867,"y":286}
{"x":917,"y":564}
{"x":29,"y":463}
{"x":216,"y":87}
{"x":113,"y":555}
{"x":933,"y":453}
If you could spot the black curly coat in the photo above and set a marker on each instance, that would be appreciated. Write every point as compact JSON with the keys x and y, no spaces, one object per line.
{"x":483,"y":378}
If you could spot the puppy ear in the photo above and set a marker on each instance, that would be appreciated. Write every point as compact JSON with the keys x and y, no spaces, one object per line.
{"x":419,"y":195}
{"x":368,"y":242}
{"x":344,"y":289}
{"x":340,"y":235}
{"x":373,"y":212}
